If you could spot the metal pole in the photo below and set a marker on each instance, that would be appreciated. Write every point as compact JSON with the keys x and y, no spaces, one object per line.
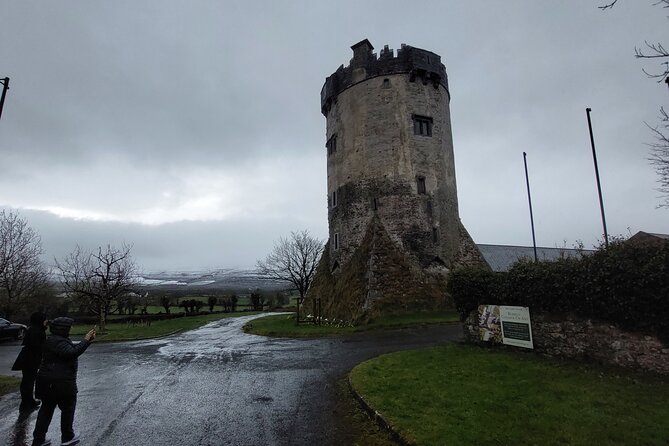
{"x":599,"y":186}
{"x":529,"y":199}
{"x":5,"y":87}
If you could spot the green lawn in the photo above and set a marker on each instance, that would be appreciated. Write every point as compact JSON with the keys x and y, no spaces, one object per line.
{"x":465,"y":395}
{"x":8,"y":384}
{"x":284,"y":325}
{"x":124,"y":332}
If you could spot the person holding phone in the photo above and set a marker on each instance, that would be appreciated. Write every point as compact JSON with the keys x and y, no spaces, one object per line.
{"x":57,"y":381}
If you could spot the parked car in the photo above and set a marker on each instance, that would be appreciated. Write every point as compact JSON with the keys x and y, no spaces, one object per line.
{"x":10,"y":330}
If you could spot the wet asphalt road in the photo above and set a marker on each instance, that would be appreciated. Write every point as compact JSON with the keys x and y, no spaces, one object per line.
{"x":213,"y":386}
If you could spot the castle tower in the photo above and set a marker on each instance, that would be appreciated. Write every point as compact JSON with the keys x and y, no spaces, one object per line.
{"x":394,"y":228}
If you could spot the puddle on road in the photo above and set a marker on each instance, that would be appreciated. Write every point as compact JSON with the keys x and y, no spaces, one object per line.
{"x":221,"y":340}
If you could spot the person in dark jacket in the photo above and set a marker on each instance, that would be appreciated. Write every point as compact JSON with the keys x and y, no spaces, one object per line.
{"x":57,"y":381}
{"x":29,"y":360}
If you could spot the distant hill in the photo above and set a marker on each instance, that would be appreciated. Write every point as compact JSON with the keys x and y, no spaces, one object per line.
{"x":219,"y":279}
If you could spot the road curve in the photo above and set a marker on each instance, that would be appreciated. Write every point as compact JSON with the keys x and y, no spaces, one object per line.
{"x":214,"y":386}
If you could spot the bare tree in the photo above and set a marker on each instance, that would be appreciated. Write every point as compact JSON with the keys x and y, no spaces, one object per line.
{"x":293,"y":260}
{"x":660,"y":155}
{"x":22,"y":273}
{"x":98,"y":278}
{"x":660,"y":148}
{"x":650,"y":50}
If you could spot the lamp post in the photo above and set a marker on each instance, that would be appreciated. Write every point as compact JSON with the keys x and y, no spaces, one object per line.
{"x":5,"y":87}
{"x":599,"y":186}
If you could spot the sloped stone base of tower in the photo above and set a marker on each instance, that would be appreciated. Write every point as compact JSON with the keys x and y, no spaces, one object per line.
{"x":468,"y":253}
{"x":381,"y":278}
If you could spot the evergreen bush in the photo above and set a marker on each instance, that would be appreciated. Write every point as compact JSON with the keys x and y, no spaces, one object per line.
{"x":626,"y":284}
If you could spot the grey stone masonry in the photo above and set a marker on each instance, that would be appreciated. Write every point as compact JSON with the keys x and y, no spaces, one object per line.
{"x":573,"y":337}
{"x":390,"y":160}
{"x":365,"y":64}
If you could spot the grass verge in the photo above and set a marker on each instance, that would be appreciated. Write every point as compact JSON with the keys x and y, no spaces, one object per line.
{"x":283,"y":325}
{"x":354,"y":426}
{"x":124,"y":332}
{"x":462,"y":395}
{"x":8,"y":384}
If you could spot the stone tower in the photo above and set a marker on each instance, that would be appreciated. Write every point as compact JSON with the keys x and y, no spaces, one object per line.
{"x":394,"y":228}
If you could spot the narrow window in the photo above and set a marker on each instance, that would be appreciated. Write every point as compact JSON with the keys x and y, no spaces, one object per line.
{"x":422,"y":125}
{"x":375,"y":204}
{"x":332,"y":145}
{"x":386,"y":83}
{"x":435,"y":235}
{"x":336,"y":241}
{"x":334,"y":198}
{"x":420,"y":185}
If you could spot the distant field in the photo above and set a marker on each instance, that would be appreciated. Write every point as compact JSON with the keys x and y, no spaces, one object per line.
{"x":243,"y":303}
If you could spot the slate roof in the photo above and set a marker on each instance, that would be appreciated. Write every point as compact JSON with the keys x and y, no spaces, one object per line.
{"x":651,"y":234}
{"x":501,"y":257}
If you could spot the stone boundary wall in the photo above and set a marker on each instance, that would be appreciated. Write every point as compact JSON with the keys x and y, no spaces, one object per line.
{"x":568,"y":336}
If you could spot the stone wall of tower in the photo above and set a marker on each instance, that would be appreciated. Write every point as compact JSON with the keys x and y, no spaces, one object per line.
{"x":392,"y":196}
{"x":378,"y":162}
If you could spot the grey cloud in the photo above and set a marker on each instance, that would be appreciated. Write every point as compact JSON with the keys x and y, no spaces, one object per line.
{"x":166,"y":88}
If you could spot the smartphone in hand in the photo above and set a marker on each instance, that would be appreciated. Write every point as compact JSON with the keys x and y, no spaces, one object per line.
{"x":91,"y":334}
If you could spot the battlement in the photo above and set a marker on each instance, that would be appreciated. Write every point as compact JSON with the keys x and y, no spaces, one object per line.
{"x":422,"y":64}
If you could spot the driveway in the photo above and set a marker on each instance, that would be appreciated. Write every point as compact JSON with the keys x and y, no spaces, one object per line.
{"x":213,"y":386}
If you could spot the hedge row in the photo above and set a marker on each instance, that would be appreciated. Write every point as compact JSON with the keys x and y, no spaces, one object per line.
{"x":626,"y":285}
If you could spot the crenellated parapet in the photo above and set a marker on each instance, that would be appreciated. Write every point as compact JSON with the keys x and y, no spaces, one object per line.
{"x":421,"y":65}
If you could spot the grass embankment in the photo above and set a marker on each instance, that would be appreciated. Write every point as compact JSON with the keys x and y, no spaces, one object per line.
{"x":125,"y":332}
{"x":284,"y":325}
{"x":8,"y":384}
{"x":463,"y":395}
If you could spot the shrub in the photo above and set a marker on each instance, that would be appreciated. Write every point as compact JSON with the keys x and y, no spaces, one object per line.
{"x":166,"y":302}
{"x":257,"y":300}
{"x":625,"y":284}
{"x":229,"y":303}
{"x":211,"y":301}
{"x":471,"y":287}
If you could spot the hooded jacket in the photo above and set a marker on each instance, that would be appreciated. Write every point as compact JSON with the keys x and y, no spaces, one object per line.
{"x":60,"y":360}
{"x":31,"y":355}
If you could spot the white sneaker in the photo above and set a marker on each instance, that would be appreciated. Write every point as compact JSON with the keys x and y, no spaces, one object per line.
{"x":73,"y":441}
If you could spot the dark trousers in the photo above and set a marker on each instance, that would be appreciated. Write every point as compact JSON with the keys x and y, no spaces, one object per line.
{"x":66,"y":401}
{"x":27,"y":386}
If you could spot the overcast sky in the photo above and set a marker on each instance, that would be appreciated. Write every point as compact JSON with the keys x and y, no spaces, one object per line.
{"x":193,"y":129}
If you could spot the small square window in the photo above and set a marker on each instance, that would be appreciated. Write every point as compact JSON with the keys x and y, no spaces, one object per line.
{"x":332,"y":145}
{"x":422,"y":125}
{"x":420,"y":185}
